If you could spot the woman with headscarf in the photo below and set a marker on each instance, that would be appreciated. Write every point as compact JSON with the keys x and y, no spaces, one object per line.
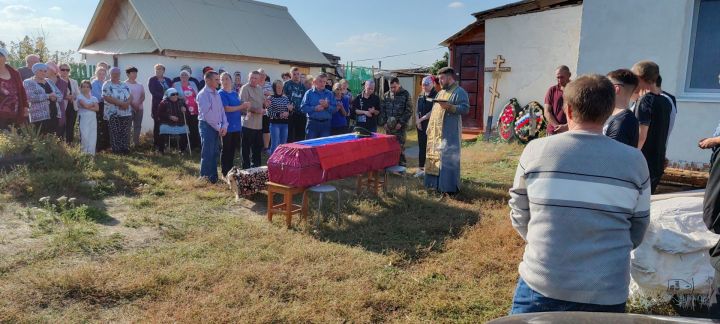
{"x":44,"y":98}
{"x":103,"y":136}
{"x":117,"y":97}
{"x":424,"y":107}
{"x":172,"y":119}
{"x":187,"y":91}
{"x":13,"y":100}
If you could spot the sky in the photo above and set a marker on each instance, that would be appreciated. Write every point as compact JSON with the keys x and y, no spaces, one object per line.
{"x":355,"y":31}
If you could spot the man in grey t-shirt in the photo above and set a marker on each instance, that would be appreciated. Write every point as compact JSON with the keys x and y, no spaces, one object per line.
{"x":580,"y":212}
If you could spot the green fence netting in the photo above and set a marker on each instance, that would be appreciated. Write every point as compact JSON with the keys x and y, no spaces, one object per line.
{"x":356,"y":76}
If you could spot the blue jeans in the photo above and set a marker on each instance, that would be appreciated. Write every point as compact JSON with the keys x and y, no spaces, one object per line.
{"x":209,"y":139}
{"x":527,"y":300}
{"x":317,"y":129}
{"x":278,"y":135}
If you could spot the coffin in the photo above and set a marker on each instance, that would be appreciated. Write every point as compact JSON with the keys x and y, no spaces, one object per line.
{"x":312,"y":162}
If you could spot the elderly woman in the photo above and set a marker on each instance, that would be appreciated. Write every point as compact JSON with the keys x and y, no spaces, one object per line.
{"x":157,"y":84}
{"x":187,"y":91}
{"x":70,"y":96}
{"x":117,"y":97}
{"x":138,"y":93}
{"x":339,"y":121}
{"x":13,"y":100}
{"x":53,"y":74}
{"x":279,"y":111}
{"x":44,"y":98}
{"x":102,"y":135}
{"x":172,"y":119}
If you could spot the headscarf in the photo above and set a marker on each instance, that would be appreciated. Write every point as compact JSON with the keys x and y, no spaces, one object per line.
{"x":39,"y":66}
{"x":428,"y":80}
{"x":169,"y":92}
{"x":4,"y":52}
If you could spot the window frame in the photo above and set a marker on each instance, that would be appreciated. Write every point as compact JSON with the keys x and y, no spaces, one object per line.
{"x":688,"y":93}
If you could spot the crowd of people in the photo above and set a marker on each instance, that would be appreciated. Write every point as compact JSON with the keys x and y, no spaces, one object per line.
{"x":219,"y":115}
{"x":582,"y":211}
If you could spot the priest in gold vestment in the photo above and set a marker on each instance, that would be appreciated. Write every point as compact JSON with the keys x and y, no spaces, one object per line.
{"x":442,"y":168}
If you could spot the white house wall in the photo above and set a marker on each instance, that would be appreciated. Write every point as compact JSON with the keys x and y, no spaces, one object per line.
{"x":533,"y":45}
{"x":145,"y":64}
{"x":617,"y":33}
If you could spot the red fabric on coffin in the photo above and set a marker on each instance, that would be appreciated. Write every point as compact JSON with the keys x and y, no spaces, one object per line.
{"x":300,"y":166}
{"x":336,"y":154}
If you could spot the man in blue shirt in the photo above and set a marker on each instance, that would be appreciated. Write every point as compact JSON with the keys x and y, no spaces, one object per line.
{"x":318,"y":104}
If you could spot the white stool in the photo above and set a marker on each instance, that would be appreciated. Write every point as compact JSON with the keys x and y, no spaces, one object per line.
{"x":393,"y":169}
{"x":321,"y":190}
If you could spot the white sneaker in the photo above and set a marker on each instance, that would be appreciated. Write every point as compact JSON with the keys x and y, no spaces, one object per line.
{"x":419,"y":174}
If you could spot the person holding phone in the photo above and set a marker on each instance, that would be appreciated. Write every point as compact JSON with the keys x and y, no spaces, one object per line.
{"x":366,"y":107}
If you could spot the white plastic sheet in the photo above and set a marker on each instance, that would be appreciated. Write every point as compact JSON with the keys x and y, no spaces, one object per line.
{"x":673,"y":258}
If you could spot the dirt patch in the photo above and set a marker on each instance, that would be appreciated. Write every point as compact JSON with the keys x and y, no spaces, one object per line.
{"x":16,"y":233}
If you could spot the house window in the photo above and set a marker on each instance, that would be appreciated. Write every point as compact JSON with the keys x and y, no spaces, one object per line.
{"x":704,"y":67}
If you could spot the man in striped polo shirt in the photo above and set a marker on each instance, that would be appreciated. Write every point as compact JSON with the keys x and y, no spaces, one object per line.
{"x":581,"y":201}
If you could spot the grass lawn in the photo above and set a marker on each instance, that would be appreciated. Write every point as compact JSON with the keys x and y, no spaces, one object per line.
{"x":146,"y":241}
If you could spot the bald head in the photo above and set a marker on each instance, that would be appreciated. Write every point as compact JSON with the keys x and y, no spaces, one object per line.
{"x":31,"y":59}
{"x":562,"y":74}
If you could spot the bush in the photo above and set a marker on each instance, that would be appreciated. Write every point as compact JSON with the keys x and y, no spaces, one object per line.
{"x":32,"y":164}
{"x":85,"y":213}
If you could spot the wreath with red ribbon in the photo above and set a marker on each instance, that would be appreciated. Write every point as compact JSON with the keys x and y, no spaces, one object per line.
{"x":506,"y":122}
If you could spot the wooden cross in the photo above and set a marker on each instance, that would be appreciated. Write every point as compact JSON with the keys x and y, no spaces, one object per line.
{"x":497,"y":71}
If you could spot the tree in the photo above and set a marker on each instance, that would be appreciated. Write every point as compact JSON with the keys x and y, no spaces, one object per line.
{"x":439,"y":64}
{"x":35,"y":45}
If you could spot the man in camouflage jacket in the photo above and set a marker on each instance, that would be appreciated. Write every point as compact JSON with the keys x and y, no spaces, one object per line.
{"x":395,"y":114}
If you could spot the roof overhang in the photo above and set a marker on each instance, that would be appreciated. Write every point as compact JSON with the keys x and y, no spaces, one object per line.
{"x":512,"y":9}
{"x":124,"y":46}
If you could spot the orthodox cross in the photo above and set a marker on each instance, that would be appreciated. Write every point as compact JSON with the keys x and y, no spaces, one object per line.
{"x":497,"y":71}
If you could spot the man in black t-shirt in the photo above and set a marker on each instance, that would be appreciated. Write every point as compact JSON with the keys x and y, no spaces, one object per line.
{"x":672,"y":99}
{"x":653,"y":113}
{"x":622,"y":125}
{"x":366,"y":107}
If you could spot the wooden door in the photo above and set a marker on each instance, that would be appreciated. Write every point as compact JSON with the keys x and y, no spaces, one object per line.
{"x":469,"y":63}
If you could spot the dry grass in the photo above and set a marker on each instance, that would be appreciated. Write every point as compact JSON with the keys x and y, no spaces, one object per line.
{"x":188,"y":253}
